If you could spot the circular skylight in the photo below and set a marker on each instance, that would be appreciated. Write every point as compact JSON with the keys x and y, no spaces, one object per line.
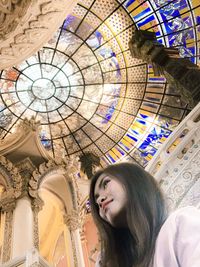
{"x":87,"y":91}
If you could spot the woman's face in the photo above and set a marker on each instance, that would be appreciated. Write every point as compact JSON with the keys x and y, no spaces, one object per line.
{"x":111,"y":198}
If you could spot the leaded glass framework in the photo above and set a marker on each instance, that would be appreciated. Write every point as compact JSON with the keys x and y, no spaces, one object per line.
{"x":88,"y":92}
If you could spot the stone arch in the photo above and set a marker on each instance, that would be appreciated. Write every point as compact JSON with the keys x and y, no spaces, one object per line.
{"x":57,"y":177}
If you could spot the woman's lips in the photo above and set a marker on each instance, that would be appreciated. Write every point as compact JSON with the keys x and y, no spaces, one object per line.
{"x":105,"y":204}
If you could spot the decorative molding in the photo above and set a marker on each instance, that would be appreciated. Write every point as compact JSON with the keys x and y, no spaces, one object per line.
{"x":183,"y":181}
{"x":26,"y":25}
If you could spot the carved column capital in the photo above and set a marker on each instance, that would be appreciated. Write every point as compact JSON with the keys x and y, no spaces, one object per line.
{"x":72,"y":220}
{"x":8,"y":201}
{"x":37,"y":204}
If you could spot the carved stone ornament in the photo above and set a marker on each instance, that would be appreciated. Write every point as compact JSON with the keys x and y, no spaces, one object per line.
{"x":14,"y":185}
{"x":45,"y":169}
{"x":25,"y":25}
{"x":179,"y":72}
{"x":73,"y":220}
{"x":37,"y":204}
{"x":7,"y":237}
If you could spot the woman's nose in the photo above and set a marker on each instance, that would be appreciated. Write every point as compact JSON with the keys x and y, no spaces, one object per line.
{"x":101,"y":200}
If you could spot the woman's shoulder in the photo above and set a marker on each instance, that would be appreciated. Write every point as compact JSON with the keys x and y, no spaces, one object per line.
{"x":185,"y":212}
{"x":178,"y":242}
{"x":181,"y":217}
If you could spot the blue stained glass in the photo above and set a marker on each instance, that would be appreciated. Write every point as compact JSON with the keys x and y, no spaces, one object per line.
{"x":121,"y":151}
{"x":109,"y":114}
{"x":132,"y":137}
{"x":172,"y":9}
{"x":110,"y":158}
{"x":68,"y":21}
{"x":95,"y":40}
{"x":106,"y":52}
{"x":145,"y":144}
{"x":124,"y":146}
{"x":160,"y":41}
{"x":154,"y":137}
{"x":143,"y":116}
{"x":158,"y":34}
{"x":156,"y":79}
{"x":193,"y":59}
{"x":128,"y":3}
{"x":198,"y":21}
{"x":178,"y":25}
{"x":45,"y":142}
{"x":99,"y":36}
{"x":142,"y":14}
{"x":141,"y":121}
{"x":134,"y":131}
{"x":145,"y":21}
{"x":147,"y":150}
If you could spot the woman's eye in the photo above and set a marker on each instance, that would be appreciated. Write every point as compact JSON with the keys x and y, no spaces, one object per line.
{"x":105,"y":183}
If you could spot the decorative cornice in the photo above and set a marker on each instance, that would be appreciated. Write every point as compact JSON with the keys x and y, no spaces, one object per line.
{"x":26,"y":25}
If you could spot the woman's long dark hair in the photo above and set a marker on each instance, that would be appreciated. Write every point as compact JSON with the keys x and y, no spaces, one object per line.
{"x":132,"y":246}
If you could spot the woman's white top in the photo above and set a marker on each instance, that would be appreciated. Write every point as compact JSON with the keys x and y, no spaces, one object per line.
{"x":178,"y":242}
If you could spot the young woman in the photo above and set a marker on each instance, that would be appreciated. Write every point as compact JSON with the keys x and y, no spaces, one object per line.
{"x":135,"y":231}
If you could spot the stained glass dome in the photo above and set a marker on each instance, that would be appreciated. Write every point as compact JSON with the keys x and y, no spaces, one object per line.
{"x":90,"y":94}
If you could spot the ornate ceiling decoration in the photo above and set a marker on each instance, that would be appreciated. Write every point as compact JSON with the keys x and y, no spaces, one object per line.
{"x":26,"y":25}
{"x":90,"y":94}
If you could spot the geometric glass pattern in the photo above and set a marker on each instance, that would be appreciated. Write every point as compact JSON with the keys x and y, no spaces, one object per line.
{"x":90,"y":94}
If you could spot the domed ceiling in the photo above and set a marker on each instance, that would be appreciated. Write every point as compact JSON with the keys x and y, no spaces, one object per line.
{"x":88,"y":92}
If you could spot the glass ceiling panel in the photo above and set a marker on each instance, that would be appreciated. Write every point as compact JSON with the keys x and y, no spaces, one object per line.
{"x":90,"y":94}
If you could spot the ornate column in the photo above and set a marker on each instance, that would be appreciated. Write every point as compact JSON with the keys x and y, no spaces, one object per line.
{"x":22,"y":227}
{"x":37,"y":205}
{"x":179,"y":72}
{"x":7,"y":206}
{"x":19,"y":205}
{"x":73,"y":222}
